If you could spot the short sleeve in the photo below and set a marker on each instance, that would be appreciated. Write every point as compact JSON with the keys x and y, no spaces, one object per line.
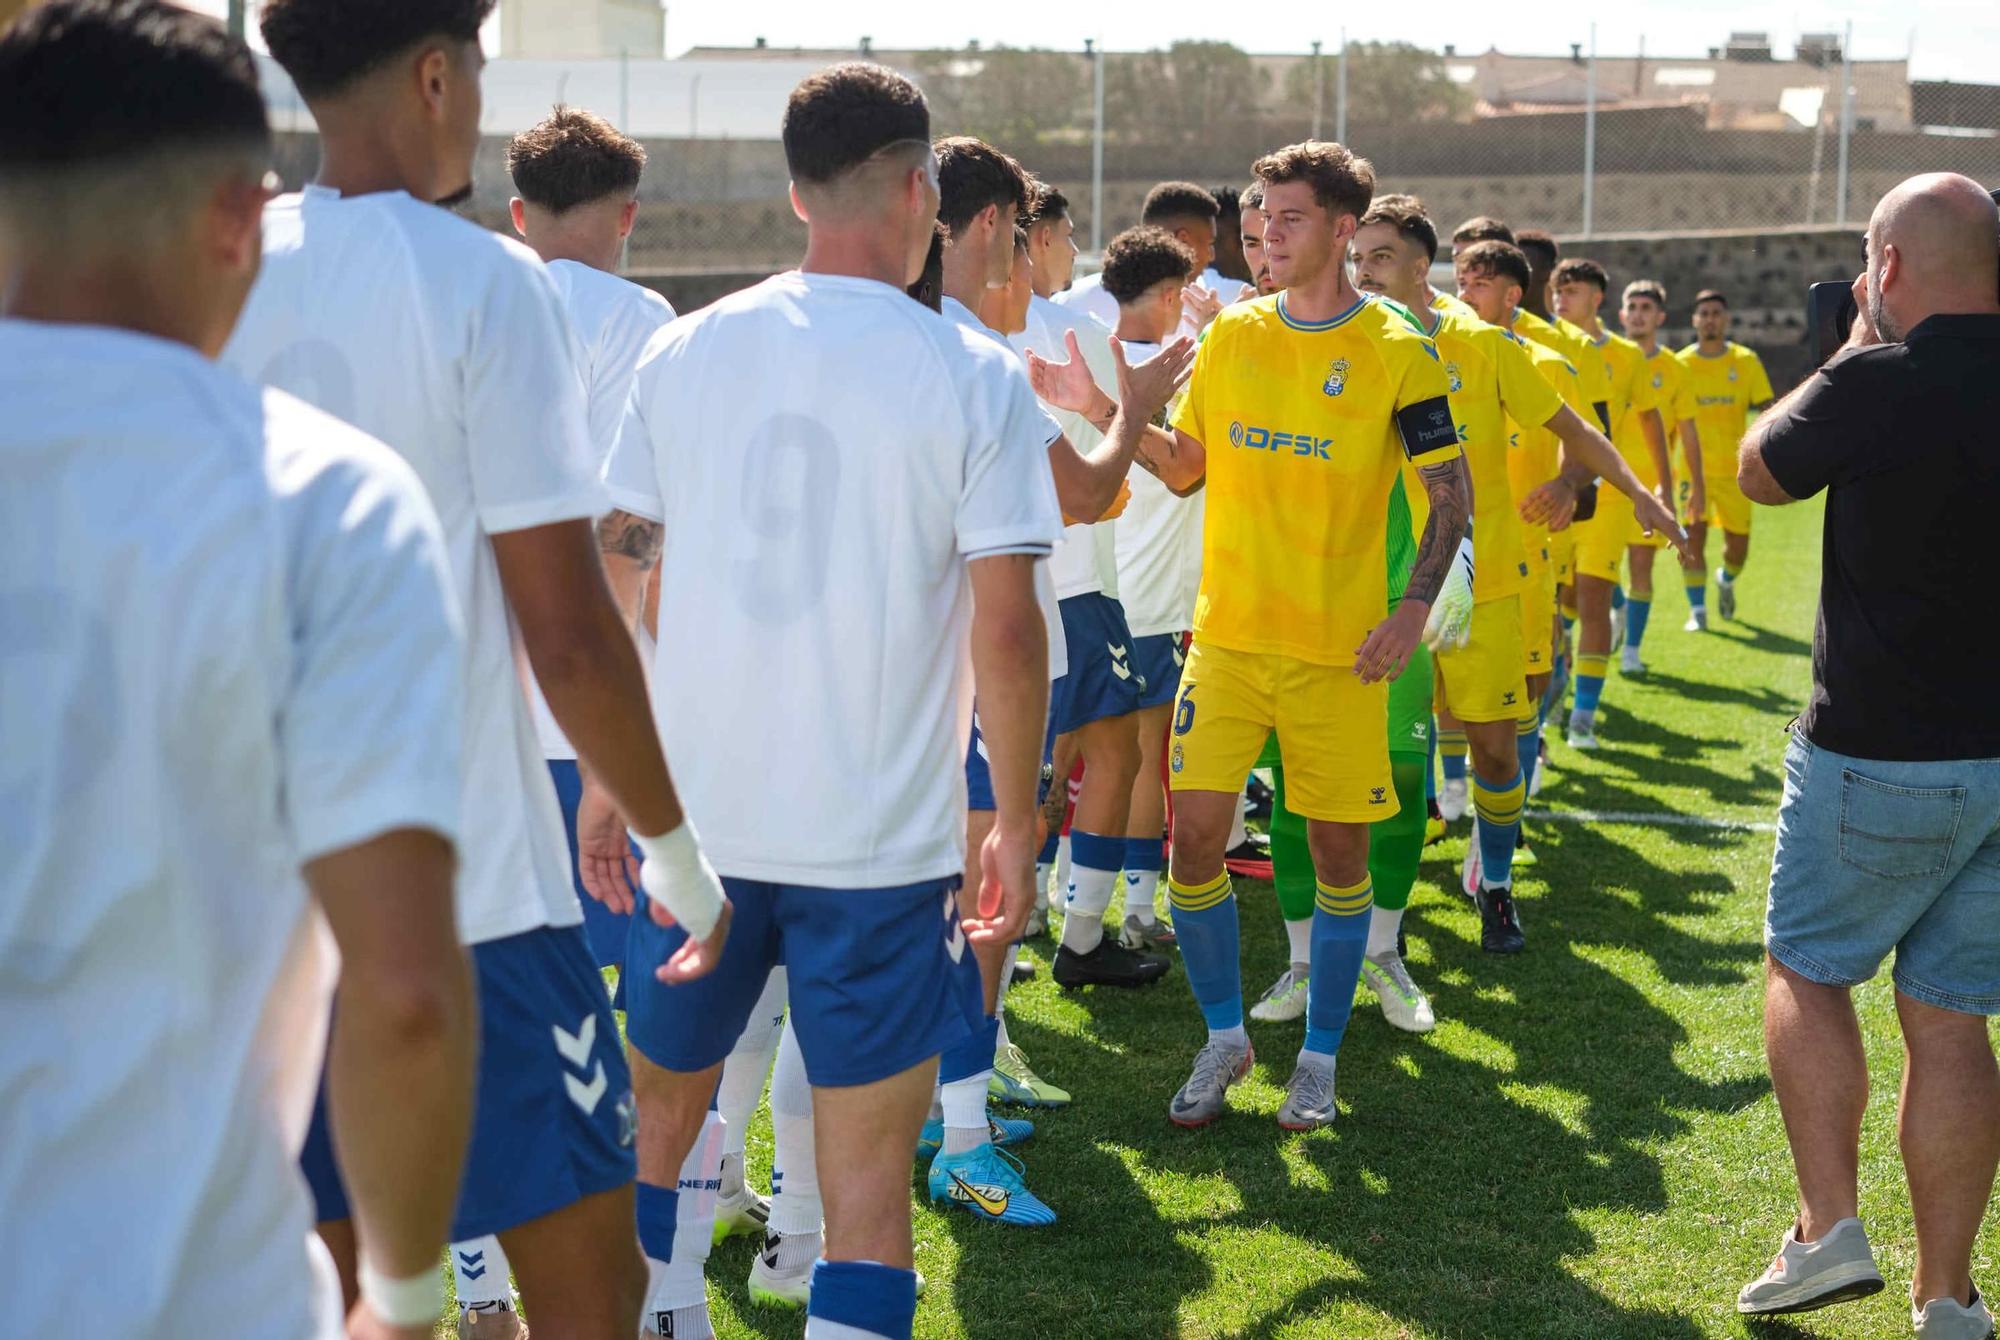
{"x":1007,"y":502}
{"x":631,"y":471}
{"x":1685,"y":403}
{"x":526,"y":422}
{"x":1827,"y":435}
{"x":1759,"y":380}
{"x":370,"y":729}
{"x":1423,"y":414}
{"x":1524,"y":393}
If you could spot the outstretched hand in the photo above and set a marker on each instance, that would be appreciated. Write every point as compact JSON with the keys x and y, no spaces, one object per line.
{"x":1067,"y":385}
{"x":1146,"y":388}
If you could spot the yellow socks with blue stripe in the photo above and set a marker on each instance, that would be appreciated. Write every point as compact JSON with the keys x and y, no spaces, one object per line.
{"x":1731,"y":571}
{"x":1499,"y":811}
{"x":1451,"y":749}
{"x":1145,"y":858}
{"x":676,"y":1231}
{"x":1697,"y":588}
{"x":1205,"y":925}
{"x":861,"y":1300}
{"x":1339,"y":940}
{"x":1638,"y":610}
{"x":1590,"y":671}
{"x":1528,"y":740}
{"x":1094,"y":861}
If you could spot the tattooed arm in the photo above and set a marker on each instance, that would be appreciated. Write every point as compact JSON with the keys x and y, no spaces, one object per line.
{"x":1389,"y":648}
{"x":630,"y":547}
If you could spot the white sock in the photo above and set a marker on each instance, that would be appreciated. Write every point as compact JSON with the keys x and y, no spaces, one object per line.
{"x":1383,"y":923}
{"x":965,"y":1112}
{"x":1042,"y":873}
{"x":1316,"y":1060}
{"x":795,"y":1205}
{"x":677,"y":1286}
{"x":746,"y":1068}
{"x":1238,"y":828}
{"x":1089,"y":896}
{"x":1006,"y":978}
{"x":999,"y":1043}
{"x":1236,"y":1039}
{"x":1062,"y":869}
{"x":488,"y":1284}
{"x":1300,"y":935}
{"x":1140,"y":888}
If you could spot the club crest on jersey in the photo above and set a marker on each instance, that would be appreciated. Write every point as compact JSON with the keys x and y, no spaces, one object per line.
{"x":1178,"y":761}
{"x":1336,"y":377}
{"x":1451,"y":374}
{"x":1732,"y":374}
{"x":1658,"y":381}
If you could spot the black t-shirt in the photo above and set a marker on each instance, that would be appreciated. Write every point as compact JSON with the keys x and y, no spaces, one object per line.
{"x":1906,"y":439}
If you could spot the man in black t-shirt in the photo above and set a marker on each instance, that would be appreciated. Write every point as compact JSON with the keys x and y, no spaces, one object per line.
{"x":1889,"y":831}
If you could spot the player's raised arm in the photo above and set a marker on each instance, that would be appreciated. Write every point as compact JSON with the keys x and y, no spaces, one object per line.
{"x":1588,"y":456}
{"x":1087,"y":484}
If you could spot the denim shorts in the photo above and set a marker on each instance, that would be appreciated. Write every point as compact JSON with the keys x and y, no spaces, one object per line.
{"x":1879,"y":856}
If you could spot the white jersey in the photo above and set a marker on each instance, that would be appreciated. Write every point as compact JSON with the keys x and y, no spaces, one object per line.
{"x":1086,"y":296}
{"x":1159,"y":547}
{"x":227,"y":647}
{"x":1085,"y":558}
{"x":612,"y":318}
{"x":1223,"y":287}
{"x":826,"y":455}
{"x":448,"y":343}
{"x":1045,"y":585}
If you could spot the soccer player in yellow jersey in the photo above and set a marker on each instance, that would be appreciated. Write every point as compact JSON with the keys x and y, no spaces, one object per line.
{"x":1642,"y":313}
{"x":1250,"y":217}
{"x":1580,"y":286}
{"x":1493,"y":379}
{"x":1730,"y":389}
{"x":1301,"y":411}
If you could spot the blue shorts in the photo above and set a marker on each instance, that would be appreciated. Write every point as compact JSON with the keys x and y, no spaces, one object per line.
{"x":979,"y":774}
{"x":1877,"y":856}
{"x":879,"y":979}
{"x":1158,"y":659}
{"x":604,"y":929}
{"x":553,"y":1117}
{"x":1104,"y":679}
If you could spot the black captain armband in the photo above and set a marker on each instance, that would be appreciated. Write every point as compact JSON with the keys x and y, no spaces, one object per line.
{"x":1426,"y":426}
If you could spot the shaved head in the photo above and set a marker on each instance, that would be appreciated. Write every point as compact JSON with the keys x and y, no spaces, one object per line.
{"x":1933,"y":246}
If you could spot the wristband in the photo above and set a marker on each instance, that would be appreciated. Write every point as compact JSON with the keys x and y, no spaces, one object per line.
{"x":677,"y":873}
{"x":416,"y":1300}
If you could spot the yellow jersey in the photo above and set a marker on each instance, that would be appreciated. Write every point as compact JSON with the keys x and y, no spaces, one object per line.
{"x":1724,"y":388}
{"x":1493,"y":379}
{"x":1666,"y":381}
{"x":1568,"y":341}
{"x":1306,"y":426}
{"x":1534,"y":452}
{"x":1447,"y":302}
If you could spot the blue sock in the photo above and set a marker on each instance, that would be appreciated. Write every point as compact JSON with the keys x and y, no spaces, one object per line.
{"x":1047,"y":855}
{"x":1498,"y":809}
{"x":1697,"y":589}
{"x":1617,"y":597}
{"x":1590,"y":668}
{"x":1339,"y":941}
{"x":1637,"y":612}
{"x":1145,"y":854}
{"x":1205,"y":925}
{"x":658,"y":1209}
{"x":861,"y":1300}
{"x":1528,"y":739}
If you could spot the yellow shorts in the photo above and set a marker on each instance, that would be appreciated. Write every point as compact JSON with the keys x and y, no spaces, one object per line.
{"x":1601,"y":542}
{"x":1727,"y":507}
{"x":1538,"y":622}
{"x":1482,"y":680}
{"x":1562,"y":553}
{"x":1335,"y":729}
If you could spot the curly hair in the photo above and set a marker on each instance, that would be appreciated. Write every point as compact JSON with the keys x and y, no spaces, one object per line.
{"x":1141,"y":257}
{"x":573,"y":158}
{"x":840,"y":117}
{"x":1178,"y":202}
{"x":1340,"y":181}
{"x":1503,"y":260}
{"x":325,"y":45}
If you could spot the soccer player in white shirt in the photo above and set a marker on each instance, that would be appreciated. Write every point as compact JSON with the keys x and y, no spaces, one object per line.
{"x":207,"y":586}
{"x":1190,"y":213}
{"x":849,"y":487}
{"x":450,"y":344}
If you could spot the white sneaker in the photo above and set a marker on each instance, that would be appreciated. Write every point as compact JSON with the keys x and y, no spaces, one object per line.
{"x":1806,"y":1276}
{"x":1285,"y":1001}
{"x":1944,"y":1319}
{"x":1629,"y":662}
{"x":1582,"y":731}
{"x":1403,"y":1002}
{"x":1697,"y":621}
{"x":1469,"y":879}
{"x":1536,"y":778}
{"x":1454,"y":798}
{"x":1725,"y":594}
{"x":774,"y":1287}
{"x":1617,"y":627}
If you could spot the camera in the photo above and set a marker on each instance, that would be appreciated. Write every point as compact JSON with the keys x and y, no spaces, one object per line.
{"x":1830,"y":313}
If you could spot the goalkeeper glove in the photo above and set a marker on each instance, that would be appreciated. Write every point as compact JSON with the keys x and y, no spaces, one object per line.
{"x":1450,"y":622}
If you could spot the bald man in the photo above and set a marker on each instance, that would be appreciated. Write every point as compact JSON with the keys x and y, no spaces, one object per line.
{"x":1889,"y":831}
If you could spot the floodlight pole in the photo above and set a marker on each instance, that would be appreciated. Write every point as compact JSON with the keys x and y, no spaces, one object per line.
{"x":1846,"y":117}
{"x":1340,"y":92}
{"x":1319,"y":88}
{"x":1096,"y":59}
{"x":1590,"y":135}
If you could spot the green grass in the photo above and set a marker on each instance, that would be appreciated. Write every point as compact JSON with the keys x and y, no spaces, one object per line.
{"x":1586,"y":1147}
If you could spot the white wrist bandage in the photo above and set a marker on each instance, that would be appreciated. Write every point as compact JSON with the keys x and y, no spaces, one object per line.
{"x":676,"y":874}
{"x":413,"y":1301}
